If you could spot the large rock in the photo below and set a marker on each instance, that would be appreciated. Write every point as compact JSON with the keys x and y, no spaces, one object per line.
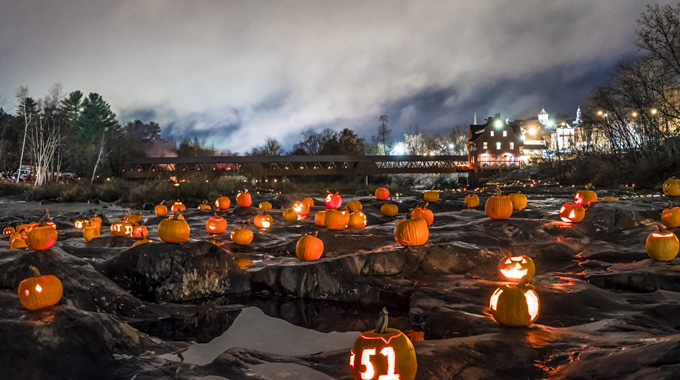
{"x":177,"y":272}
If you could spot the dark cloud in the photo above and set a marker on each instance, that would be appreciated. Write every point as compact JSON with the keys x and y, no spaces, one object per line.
{"x":234,"y":73}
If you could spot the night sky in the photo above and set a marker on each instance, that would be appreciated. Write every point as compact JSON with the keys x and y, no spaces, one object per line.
{"x":234,"y":72}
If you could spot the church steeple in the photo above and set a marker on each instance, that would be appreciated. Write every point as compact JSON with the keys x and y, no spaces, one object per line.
{"x":475,"y":120}
{"x":578,"y":116}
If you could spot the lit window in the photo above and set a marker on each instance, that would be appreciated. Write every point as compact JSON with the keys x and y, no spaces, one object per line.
{"x":498,"y":145}
{"x":491,"y":133}
{"x":486,"y":145}
{"x":505,"y":133}
{"x":512,"y":145}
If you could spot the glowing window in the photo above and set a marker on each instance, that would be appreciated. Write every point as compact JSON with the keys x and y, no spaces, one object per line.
{"x":491,"y":133}
{"x":498,"y":145}
{"x":505,"y":133}
{"x":486,"y":145}
{"x":512,"y":145}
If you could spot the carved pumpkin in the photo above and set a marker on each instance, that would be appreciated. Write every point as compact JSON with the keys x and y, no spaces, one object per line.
{"x":8,"y":231}
{"x":139,"y":231}
{"x":431,"y":196}
{"x":411,"y":232}
{"x":519,"y":201}
{"x":515,"y":268}
{"x":662,"y":245}
{"x":39,"y":292}
{"x":244,"y":199}
{"x":382,"y":193}
{"x":222,"y":203}
{"x":423,"y":213}
{"x":320,"y":218}
{"x":301,"y":208}
{"x":290,"y":215}
{"x":174,"y":230}
{"x":498,"y":206}
{"x":96,"y":222}
{"x":143,"y":240}
{"x":265,"y":206}
{"x":572,"y":213}
{"x":242,"y":262}
{"x":383,"y":354}
{"x":309,"y":247}
{"x":333,"y":200}
{"x":216,"y":224}
{"x":177,"y":206}
{"x":515,"y":305}
{"x":357,"y":220}
{"x":90,"y":232}
{"x":79,"y":224}
{"x":263,"y":221}
{"x":671,"y":187}
{"x":121,"y":228}
{"x":21,"y":227}
{"x":472,"y":201}
{"x":353,"y":206}
{"x":670,"y":217}
{"x":389,"y":209}
{"x":585,"y":198}
{"x":309,"y":201}
{"x":336,"y":220}
{"x":161,"y":209}
{"x":242,"y":236}
{"x":133,"y":219}
{"x":42,"y":236}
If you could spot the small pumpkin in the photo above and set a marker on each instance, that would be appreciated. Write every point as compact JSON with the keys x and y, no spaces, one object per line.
{"x":519,"y":201}
{"x":290,"y":215}
{"x":389,"y":209}
{"x":309,"y":247}
{"x":174,"y":230}
{"x":121,"y":228}
{"x":515,"y":305}
{"x":670,"y":217}
{"x":133,"y":219}
{"x":143,"y":240}
{"x":309,"y":201}
{"x":353,"y":206}
{"x":516,"y":268}
{"x":244,"y":199}
{"x":423,"y":213}
{"x":139,"y":231}
{"x":498,"y":206}
{"x":572,"y":213}
{"x":90,"y":232}
{"x":42,"y":236}
{"x":472,"y":201}
{"x":320,"y":218}
{"x":357,"y":220}
{"x":161,"y":209}
{"x":8,"y":231}
{"x":263,"y":221}
{"x":265,"y":206}
{"x":431,"y":196}
{"x":301,"y":208}
{"x":411,"y":232}
{"x":96,"y":222}
{"x":222,"y":203}
{"x":177,"y":206}
{"x":216,"y":224}
{"x":662,"y":245}
{"x":205,"y":205}
{"x":242,"y":262}
{"x":333,"y":200}
{"x":585,"y":198}
{"x":336,"y":220}
{"x":382,"y":193}
{"x":241,"y":236}
{"x":671,"y":187}
{"x":40,"y":291}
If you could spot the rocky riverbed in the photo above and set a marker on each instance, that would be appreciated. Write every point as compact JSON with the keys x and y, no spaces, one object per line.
{"x":191,"y":312}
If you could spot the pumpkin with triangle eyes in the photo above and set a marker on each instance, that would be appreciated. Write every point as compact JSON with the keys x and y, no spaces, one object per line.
{"x":515,"y":268}
{"x":572,"y":212}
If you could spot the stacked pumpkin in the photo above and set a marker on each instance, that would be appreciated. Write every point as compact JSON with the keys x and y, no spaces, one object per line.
{"x":576,"y":211}
{"x":91,"y":228}
{"x":357,"y":218}
{"x":517,"y":303}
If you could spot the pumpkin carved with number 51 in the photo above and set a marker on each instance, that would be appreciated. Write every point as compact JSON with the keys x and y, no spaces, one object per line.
{"x":383,"y":354}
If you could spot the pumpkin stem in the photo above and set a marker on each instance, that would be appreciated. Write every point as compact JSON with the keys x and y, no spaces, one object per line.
{"x":35,"y":271}
{"x":381,"y":323}
{"x":662,"y":229}
{"x":498,"y":191}
{"x":432,"y":188}
{"x":45,"y":218}
{"x":176,"y":214}
{"x":162,"y":203}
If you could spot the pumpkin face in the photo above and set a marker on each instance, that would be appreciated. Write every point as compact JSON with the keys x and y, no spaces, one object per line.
{"x":133,"y":219}
{"x":353,"y":206}
{"x":8,"y":231}
{"x":309,"y":247}
{"x":39,"y":292}
{"x":423,"y":213}
{"x":41,"y":238}
{"x":333,"y":201}
{"x":515,"y":268}
{"x":121,"y":228}
{"x":174,"y":231}
{"x":90,"y":233}
{"x":336,"y":220}
{"x":431,"y":196}
{"x":389,"y":209}
{"x":265,"y":206}
{"x":357,"y":220}
{"x":498,"y":206}
{"x":472,"y":200}
{"x":585,"y":198}
{"x":515,"y":305}
{"x":244,"y":199}
{"x":519,"y":201}
{"x":301,"y":208}
{"x":222,"y":203}
{"x":242,"y":236}
{"x":309,"y":201}
{"x":671,"y":187}
{"x":662,"y":246}
{"x":177,"y":206}
{"x":161,"y":209}
{"x":411,"y":232}
{"x":263,"y":221}
{"x":572,"y":213}
{"x":320,"y":218}
{"x":382,"y":193}
{"x":79,"y":224}
{"x":216,"y":225}
{"x":670,"y":217}
{"x":290,"y":215}
{"x":139,"y":231}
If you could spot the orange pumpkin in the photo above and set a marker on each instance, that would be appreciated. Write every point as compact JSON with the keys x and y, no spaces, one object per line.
{"x":671,"y":187}
{"x":205,"y":206}
{"x":662,"y":245}
{"x":121,"y":228}
{"x":353,"y":206}
{"x":242,"y":262}
{"x":357,"y":220}
{"x":17,"y":242}
{"x":472,"y":201}
{"x":519,"y":201}
{"x":8,"y":231}
{"x":498,"y":206}
{"x":309,"y":201}
{"x":139,"y":231}
{"x":265,"y":206}
{"x":96,"y":222}
{"x":263,"y":221}
{"x":42,"y":237}
{"x":411,"y":232}
{"x":301,"y":208}
{"x":431,"y":196}
{"x":161,"y":209}
{"x":216,"y":224}
{"x":670,"y":217}
{"x":336,"y":220}
{"x":515,"y":268}
{"x":90,"y":232}
{"x":39,"y":292}
{"x":320,"y":218}
{"x":290,"y":215}
{"x":515,"y":305}
{"x":382,"y":193}
{"x":174,"y":230}
{"x":133,"y":219}
{"x":572,"y":213}
{"x":585,"y":198}
{"x":143,"y":240}
{"x":222,"y":203}
{"x":423,"y":213}
{"x":242,"y":236}
{"x":389,"y":209}
{"x":79,"y":224}
{"x":333,"y":200}
{"x":244,"y":199}
{"x":177,"y":206}
{"x":309,"y":247}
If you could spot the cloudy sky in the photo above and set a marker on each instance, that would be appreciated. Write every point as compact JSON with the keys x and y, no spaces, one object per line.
{"x":234,"y":72}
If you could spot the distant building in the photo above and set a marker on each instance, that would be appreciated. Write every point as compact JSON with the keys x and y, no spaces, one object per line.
{"x":495,"y":143}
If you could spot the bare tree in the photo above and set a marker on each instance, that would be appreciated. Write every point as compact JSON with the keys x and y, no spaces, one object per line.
{"x":44,"y":137}
{"x":22,"y":95}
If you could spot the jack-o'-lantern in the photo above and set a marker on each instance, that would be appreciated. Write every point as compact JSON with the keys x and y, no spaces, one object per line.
{"x":516,"y":268}
{"x":585,"y":198}
{"x":39,"y":292}
{"x":389,"y":209}
{"x":431,"y":196}
{"x":382,"y":193}
{"x":411,"y":232}
{"x":670,"y":217}
{"x":472,"y":201}
{"x":121,"y":228}
{"x":357,"y":220}
{"x":222,"y":203}
{"x":90,"y":232}
{"x":244,"y":199}
{"x":139,"y":231}
{"x":336,"y":220}
{"x":572,"y":213}
{"x":333,"y":200}
{"x":242,"y":236}
{"x":263,"y":221}
{"x":671,"y":187}
{"x":216,"y":224}
{"x":177,"y":206}
{"x":43,"y":235}
{"x":143,"y":240}
{"x":309,"y":247}
{"x":320,"y":218}
{"x":133,"y":219}
{"x":301,"y":208}
{"x":290,"y":215}
{"x":423,"y":213}
{"x":353,"y":206}
{"x":519,"y":201}
{"x":79,"y":224}
{"x":8,"y":231}
{"x":174,"y":230}
{"x":515,"y":305}
{"x":243,"y":263}
{"x":161,"y":209}
{"x":662,"y":245}
{"x":265,"y":206}
{"x":205,"y":206}
{"x":383,"y":354}
{"x":498,"y":206}
{"x":96,"y":222}
{"x":309,"y":201}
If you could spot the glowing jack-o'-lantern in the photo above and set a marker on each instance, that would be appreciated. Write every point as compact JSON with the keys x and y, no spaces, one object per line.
{"x":515,"y":268}
{"x":263,"y":221}
{"x":39,"y":292}
{"x":383,"y":354}
{"x":216,"y":224}
{"x":139,"y":231}
{"x":121,"y":228}
{"x":8,"y":231}
{"x":301,"y":208}
{"x":382,"y":193}
{"x":333,"y":200}
{"x":572,"y":213}
{"x":498,"y":206}
{"x":244,"y":199}
{"x":222,"y":203}
{"x":515,"y":305}
{"x":80,"y":224}
{"x":472,"y":201}
{"x":670,"y":217}
{"x":242,"y":236}
{"x":585,"y":198}
{"x":662,"y":245}
{"x":357,"y":220}
{"x":671,"y":187}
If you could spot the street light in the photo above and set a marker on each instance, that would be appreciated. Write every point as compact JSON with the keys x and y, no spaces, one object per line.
{"x":634,"y":114}
{"x":653,"y":111}
{"x":600,"y":113}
